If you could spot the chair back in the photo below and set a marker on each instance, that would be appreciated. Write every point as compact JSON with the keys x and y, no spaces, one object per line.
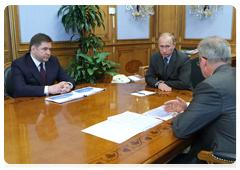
{"x":143,"y":70}
{"x":196,"y":73}
{"x":218,"y":157}
{"x":7,"y":81}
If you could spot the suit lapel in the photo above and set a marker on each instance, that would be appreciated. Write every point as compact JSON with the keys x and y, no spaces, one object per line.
{"x":172,"y":64}
{"x":34,"y":70}
{"x":48,"y":71}
{"x":160,"y":65}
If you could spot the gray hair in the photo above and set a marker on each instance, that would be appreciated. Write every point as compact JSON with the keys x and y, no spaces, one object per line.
{"x":215,"y":49}
{"x":168,"y":34}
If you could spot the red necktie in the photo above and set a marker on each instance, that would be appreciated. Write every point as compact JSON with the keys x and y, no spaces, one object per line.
{"x":42,"y":72}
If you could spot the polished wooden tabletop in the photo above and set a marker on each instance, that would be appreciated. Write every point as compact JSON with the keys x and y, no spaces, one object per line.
{"x":40,"y":132}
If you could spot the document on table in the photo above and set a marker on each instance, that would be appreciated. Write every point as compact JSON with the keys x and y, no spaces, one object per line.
{"x":159,"y":113}
{"x":135,"y":120}
{"x":76,"y":94}
{"x":120,"y":128}
{"x":142,"y":93}
{"x":136,"y":78}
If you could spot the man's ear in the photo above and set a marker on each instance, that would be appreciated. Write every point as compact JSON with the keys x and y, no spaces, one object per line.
{"x":174,"y":45}
{"x":204,"y":62}
{"x":33,"y":48}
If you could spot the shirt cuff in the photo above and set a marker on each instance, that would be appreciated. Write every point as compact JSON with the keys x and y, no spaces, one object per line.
{"x":156,"y":85}
{"x":46,"y":91}
{"x":71,"y":85}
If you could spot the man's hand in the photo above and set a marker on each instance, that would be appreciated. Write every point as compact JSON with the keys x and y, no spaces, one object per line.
{"x":164,"y":87}
{"x":65,"y":87}
{"x":178,"y":106}
{"x":60,"y":88}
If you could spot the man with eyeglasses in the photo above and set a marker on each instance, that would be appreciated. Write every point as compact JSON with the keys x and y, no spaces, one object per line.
{"x":212,"y":112}
{"x":35,"y":73}
{"x":169,"y":68}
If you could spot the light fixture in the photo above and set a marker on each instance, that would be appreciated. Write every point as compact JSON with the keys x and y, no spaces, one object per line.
{"x":140,"y":11}
{"x":206,"y":10}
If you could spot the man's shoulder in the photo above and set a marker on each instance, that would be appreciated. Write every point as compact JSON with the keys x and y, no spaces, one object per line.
{"x":155,"y":54}
{"x":53,"y":58}
{"x":22,"y":59}
{"x":179,"y":53}
{"x":224,"y":74}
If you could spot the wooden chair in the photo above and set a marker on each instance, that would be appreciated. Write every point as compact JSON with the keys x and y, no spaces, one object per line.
{"x":143,"y":70}
{"x":217,"y":157}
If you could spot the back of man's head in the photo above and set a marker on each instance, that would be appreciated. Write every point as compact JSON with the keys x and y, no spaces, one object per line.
{"x":215,"y":49}
{"x":38,"y":39}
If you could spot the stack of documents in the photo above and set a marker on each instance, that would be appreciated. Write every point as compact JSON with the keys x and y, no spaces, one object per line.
{"x":76,"y":94}
{"x":120,"y":128}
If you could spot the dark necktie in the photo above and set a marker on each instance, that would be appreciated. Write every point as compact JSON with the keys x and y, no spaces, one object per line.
{"x":165,"y":68}
{"x":42,"y":72}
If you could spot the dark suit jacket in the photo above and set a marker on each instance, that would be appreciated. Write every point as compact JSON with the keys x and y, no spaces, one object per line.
{"x":27,"y":80}
{"x":178,"y":71}
{"x":211,"y":113}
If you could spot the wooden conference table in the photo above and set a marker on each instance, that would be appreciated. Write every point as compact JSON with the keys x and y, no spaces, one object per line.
{"x":40,"y":132}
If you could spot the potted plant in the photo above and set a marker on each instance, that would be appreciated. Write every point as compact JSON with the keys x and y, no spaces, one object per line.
{"x":82,"y":20}
{"x":91,"y":68}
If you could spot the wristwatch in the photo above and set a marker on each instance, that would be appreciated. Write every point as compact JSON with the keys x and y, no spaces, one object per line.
{"x":156,"y":85}
{"x":70,"y":84}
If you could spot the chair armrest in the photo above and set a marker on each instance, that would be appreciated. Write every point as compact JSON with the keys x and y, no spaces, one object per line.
{"x":217,"y":157}
{"x":143,"y":70}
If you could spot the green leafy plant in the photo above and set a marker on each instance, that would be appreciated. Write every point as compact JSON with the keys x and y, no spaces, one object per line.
{"x":91,"y":68}
{"x":82,"y":21}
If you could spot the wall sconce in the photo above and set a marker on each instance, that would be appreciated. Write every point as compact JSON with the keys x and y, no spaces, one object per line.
{"x":140,"y":11}
{"x":206,"y":10}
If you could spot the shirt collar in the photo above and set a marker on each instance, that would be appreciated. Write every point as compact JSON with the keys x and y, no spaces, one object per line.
{"x":169,"y":57}
{"x":37,"y":63}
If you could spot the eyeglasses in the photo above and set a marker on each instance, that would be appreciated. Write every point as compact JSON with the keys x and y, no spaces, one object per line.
{"x":200,"y":60}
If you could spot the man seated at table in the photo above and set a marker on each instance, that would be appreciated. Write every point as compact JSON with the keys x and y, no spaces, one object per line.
{"x":171,"y":67}
{"x":35,"y":73}
{"x":211,"y":114}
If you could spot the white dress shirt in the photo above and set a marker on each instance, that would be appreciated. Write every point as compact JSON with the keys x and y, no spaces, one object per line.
{"x":37,"y":63}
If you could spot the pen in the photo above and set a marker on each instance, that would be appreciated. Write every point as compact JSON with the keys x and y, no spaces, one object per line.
{"x":139,"y":93}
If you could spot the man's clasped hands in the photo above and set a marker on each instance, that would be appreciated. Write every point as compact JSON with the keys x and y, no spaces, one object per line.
{"x":60,"y":88}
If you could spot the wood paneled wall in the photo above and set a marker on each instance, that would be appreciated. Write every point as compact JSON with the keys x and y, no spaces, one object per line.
{"x":129,"y":53}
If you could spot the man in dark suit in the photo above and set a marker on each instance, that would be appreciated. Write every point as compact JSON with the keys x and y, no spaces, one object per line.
{"x":35,"y":73}
{"x":212,"y":112}
{"x":171,"y":67}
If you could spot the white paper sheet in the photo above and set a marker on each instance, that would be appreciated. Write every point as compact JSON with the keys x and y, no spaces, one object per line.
{"x":159,"y":113}
{"x":112,"y":131}
{"x":135,"y":120}
{"x":121,"y":127}
{"x":142,"y":93}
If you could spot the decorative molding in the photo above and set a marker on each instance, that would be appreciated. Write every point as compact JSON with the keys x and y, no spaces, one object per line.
{"x":153,"y":46}
{"x":133,"y":66}
{"x":132,"y":145}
